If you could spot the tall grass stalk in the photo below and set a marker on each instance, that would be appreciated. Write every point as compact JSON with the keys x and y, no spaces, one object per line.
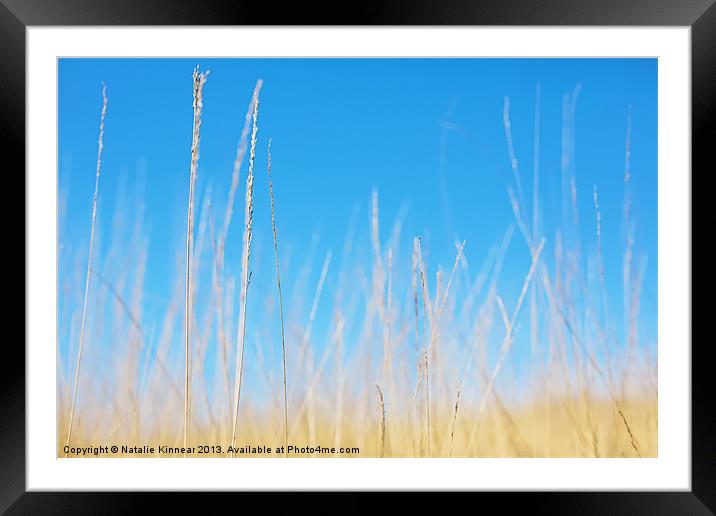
{"x":454,"y":418}
{"x":224,"y":230}
{"x":199,"y":80}
{"x":83,"y":324}
{"x":381,"y":440}
{"x":305,"y":351}
{"x":340,"y":380}
{"x":280,"y":303}
{"x":245,"y":277}
{"x":426,"y":367}
{"x":534,"y":324}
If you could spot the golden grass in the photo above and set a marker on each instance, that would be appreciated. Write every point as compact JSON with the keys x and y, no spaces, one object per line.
{"x":517,"y":433}
{"x":448,"y":389}
{"x":199,"y":80}
{"x":245,"y":274}
{"x":83,"y":324}
{"x":280,"y":299}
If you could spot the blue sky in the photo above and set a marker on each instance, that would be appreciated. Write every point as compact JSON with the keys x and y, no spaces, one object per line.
{"x":426,"y":133}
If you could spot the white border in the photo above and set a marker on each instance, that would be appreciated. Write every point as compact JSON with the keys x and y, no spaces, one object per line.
{"x":671,"y":470}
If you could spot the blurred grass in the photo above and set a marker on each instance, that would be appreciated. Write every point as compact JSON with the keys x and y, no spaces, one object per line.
{"x":584,"y":393}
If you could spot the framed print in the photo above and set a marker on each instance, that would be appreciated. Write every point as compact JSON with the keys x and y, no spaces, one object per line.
{"x":438,"y":249}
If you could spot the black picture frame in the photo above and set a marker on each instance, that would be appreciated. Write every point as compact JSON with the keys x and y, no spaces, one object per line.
{"x":17,"y":15}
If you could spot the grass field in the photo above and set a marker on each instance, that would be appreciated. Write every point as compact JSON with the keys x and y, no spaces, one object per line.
{"x":428,"y":370}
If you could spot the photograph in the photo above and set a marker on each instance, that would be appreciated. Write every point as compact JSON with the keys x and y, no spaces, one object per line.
{"x":440,"y":249}
{"x":357,"y":257}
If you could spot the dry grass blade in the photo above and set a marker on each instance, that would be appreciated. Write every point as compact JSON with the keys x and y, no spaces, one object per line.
{"x":454,"y":418}
{"x":340,"y":380}
{"x":245,"y":277}
{"x":414,"y":280}
{"x":240,"y":153}
{"x":511,"y":149}
{"x":382,"y":422}
{"x":607,"y":382}
{"x":507,"y":341}
{"x":426,"y":350}
{"x":374,"y":233}
{"x":535,"y":219}
{"x":223,"y":232}
{"x":460,"y":249}
{"x":308,"y":330}
{"x":280,"y":301}
{"x":602,"y":277}
{"x":83,"y":326}
{"x":386,"y":321}
{"x":199,"y":80}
